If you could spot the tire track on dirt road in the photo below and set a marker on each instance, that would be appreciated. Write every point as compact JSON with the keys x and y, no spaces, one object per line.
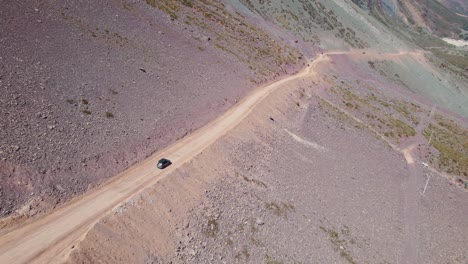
{"x":50,"y":238}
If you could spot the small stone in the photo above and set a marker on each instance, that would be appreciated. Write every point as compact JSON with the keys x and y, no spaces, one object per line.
{"x":259,"y":221}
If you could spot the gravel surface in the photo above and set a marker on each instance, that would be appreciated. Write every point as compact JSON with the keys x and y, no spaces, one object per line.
{"x":311,"y":176}
{"x":91,"y":88}
{"x":332,"y":193}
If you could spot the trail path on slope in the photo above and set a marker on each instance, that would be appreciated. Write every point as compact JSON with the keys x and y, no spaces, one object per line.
{"x":410,"y":190}
{"x":50,"y":238}
{"x":410,"y":194}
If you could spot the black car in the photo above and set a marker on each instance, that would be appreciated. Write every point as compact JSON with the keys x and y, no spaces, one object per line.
{"x":163,"y":163}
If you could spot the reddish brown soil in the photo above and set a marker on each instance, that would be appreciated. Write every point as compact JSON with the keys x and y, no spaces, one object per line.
{"x":262,"y":195}
{"x":89,"y":89}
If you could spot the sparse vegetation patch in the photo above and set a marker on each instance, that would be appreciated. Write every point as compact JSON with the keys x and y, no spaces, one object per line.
{"x":211,"y":228}
{"x":243,"y":255}
{"x":254,"y":181}
{"x":281,"y":209}
{"x":451,"y":141}
{"x":231,"y":34}
{"x":272,"y":260}
{"x":109,"y":115}
{"x":391,"y":118}
{"x":340,"y":244}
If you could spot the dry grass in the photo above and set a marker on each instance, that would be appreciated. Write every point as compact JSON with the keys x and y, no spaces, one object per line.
{"x":232,"y":34}
{"x":401,"y":128}
{"x":167,"y":6}
{"x":451,"y":141}
{"x":244,"y":254}
{"x":281,"y":209}
{"x":212,"y":228}
{"x":339,"y":244}
{"x":272,"y":260}
{"x":254,"y":181}
{"x":457,"y":59}
{"x":390,"y":117}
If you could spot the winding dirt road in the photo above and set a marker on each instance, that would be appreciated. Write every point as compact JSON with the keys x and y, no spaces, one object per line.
{"x":50,"y":238}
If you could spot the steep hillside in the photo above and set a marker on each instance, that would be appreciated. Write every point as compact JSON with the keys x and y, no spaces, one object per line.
{"x":328,"y":24}
{"x":379,"y":26}
{"x":429,"y":15}
{"x":333,"y":131}
{"x":306,"y":177}
{"x":460,"y":7}
{"x":91,"y":88}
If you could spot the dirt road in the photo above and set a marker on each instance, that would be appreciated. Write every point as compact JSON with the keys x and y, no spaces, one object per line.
{"x":49,"y":239}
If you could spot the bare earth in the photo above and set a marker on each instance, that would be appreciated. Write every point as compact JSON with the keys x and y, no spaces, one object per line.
{"x":456,"y":42}
{"x":296,"y":180}
{"x":88,"y":89}
{"x":299,"y":131}
{"x":70,"y":222}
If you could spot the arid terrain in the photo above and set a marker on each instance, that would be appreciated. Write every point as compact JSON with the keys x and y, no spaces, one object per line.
{"x":299,"y":132}
{"x":84,"y":95}
{"x":313,"y":185}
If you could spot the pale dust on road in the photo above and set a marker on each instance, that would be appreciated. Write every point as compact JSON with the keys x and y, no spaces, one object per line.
{"x":408,"y":156}
{"x":49,"y":239}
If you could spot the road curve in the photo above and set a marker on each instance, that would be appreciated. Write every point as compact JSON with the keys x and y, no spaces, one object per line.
{"x":49,"y":239}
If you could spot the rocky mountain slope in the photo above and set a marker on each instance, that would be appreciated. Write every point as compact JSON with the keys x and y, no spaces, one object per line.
{"x":460,"y":7}
{"x":91,"y":88}
{"x":430,"y":15}
{"x":327,"y":24}
{"x":310,"y":176}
